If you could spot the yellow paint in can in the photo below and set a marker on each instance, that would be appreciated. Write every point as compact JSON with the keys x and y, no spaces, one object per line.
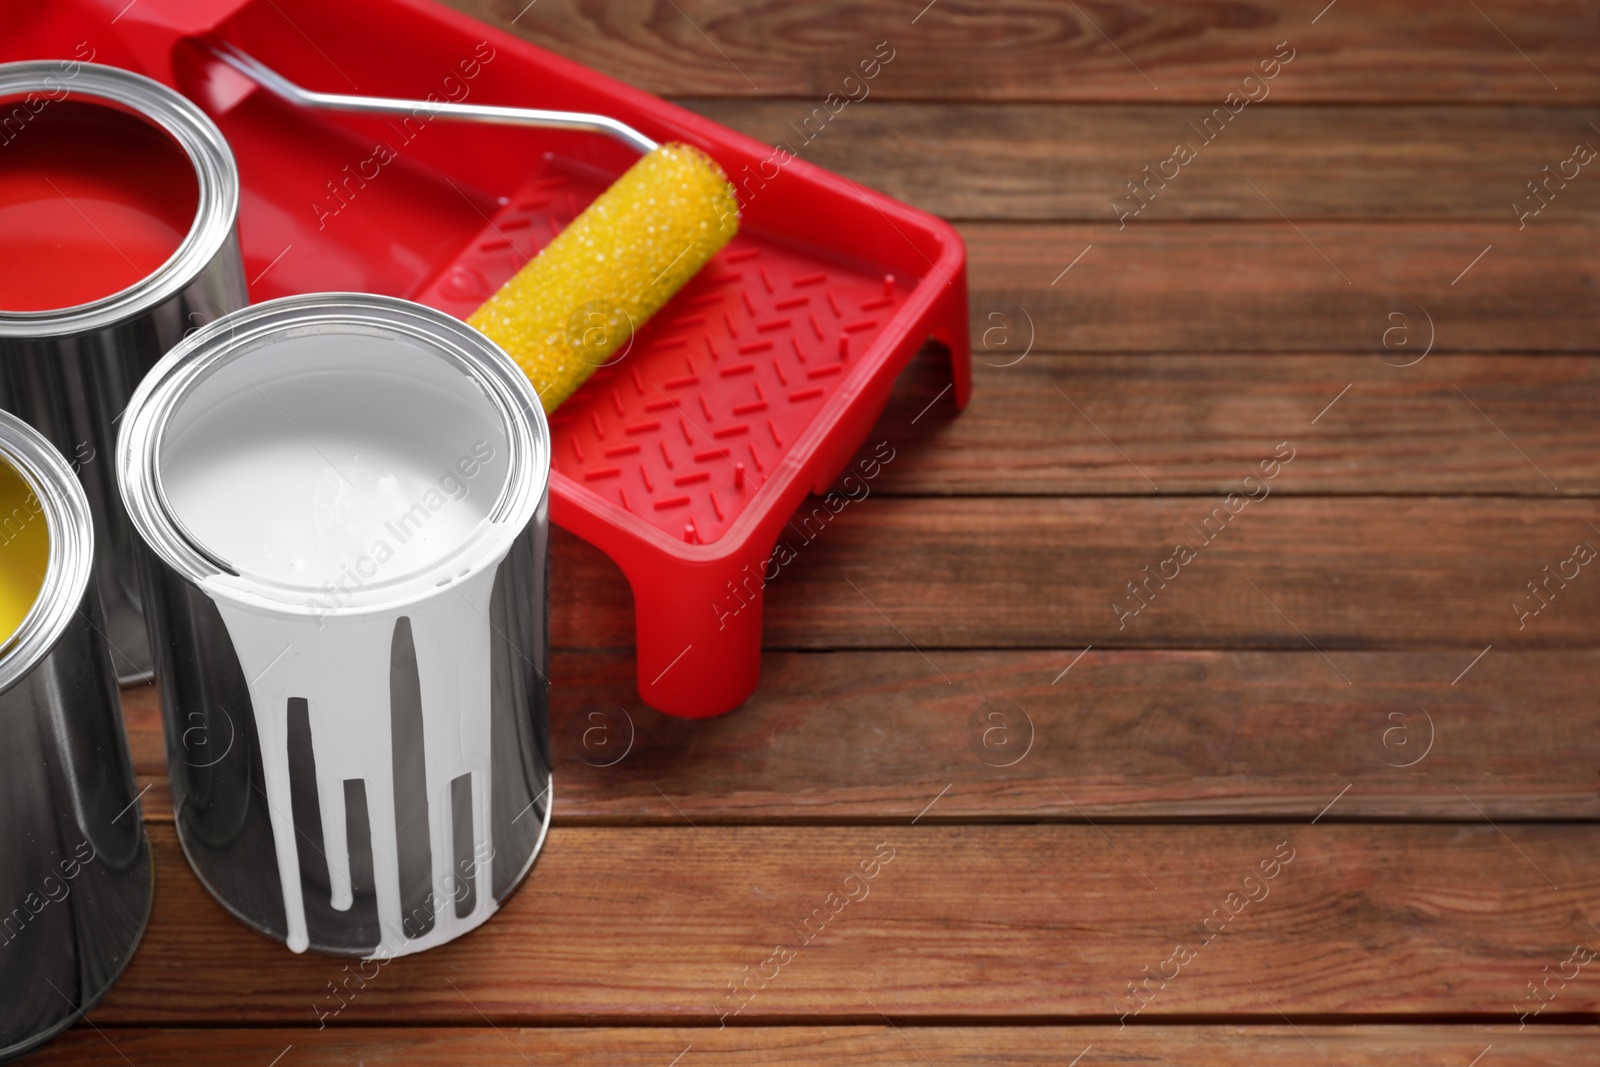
{"x":24,"y":549}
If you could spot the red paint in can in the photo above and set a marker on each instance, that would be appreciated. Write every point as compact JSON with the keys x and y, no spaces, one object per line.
{"x":92,"y":199}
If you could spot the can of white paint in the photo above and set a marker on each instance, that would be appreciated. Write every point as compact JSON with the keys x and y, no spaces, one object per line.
{"x":344,"y":501}
{"x":75,"y":874}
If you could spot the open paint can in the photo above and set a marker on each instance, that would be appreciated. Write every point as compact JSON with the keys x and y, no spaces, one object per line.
{"x":118,"y":200}
{"x":344,"y":500}
{"x":75,"y":874}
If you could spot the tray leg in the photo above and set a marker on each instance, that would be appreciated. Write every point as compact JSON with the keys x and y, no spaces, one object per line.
{"x":698,"y":630}
{"x":949,"y":328}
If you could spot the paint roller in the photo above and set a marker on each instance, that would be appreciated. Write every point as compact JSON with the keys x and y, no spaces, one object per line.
{"x":621,"y":260}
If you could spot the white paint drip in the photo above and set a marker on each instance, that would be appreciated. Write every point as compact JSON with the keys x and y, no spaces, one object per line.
{"x":349,"y":480}
{"x":343,"y":672}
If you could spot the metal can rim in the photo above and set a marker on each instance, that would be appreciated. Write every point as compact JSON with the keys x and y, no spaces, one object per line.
{"x":216,"y":176}
{"x":65,"y":510}
{"x":237,"y":334}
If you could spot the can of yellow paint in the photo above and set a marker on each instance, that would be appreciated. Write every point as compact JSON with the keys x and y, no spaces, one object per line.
{"x":344,"y":501}
{"x":75,"y":874}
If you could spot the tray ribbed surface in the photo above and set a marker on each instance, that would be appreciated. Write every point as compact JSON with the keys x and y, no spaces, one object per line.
{"x":689,"y":421}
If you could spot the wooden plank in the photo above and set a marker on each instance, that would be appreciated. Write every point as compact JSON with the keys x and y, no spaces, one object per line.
{"x":1361,"y":50}
{"x":1063,"y":162}
{"x":960,"y":923}
{"x":1341,"y":573}
{"x":1193,"y":423}
{"x":1422,"y":435}
{"x":859,"y":1046}
{"x":1288,"y":286}
{"x":859,"y":736}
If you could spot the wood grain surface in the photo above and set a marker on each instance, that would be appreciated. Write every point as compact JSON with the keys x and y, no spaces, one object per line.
{"x":1055,"y":162}
{"x":858,"y":736}
{"x":1352,"y":669}
{"x":1308,"y":1045}
{"x":1411,"y":422}
{"x":943,"y":922}
{"x":1289,"y":285}
{"x":1412,"y":51}
{"x":1291,"y":573}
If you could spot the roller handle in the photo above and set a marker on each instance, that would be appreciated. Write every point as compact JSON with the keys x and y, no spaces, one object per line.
{"x":285,"y":89}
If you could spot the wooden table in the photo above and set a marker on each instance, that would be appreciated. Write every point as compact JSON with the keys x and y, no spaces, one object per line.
{"x":1323,"y":792}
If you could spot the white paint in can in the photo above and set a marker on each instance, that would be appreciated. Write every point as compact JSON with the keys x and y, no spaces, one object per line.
{"x":350,"y":479}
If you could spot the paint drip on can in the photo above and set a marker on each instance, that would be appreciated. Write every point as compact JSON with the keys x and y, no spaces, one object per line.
{"x":344,"y":500}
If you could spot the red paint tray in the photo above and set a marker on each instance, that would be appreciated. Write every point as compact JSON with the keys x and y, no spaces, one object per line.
{"x":755,"y":385}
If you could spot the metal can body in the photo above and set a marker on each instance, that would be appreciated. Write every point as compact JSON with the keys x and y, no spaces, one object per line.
{"x":70,"y":372}
{"x":365,"y":778}
{"x":75,"y":871}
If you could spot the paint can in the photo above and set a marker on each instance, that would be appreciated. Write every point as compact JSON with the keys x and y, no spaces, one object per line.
{"x":344,"y":498}
{"x":118,"y":204}
{"x":75,"y":873}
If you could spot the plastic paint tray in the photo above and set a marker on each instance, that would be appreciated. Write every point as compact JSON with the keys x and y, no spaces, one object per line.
{"x":683,"y":460}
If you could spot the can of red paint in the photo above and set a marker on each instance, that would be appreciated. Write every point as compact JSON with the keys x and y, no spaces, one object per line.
{"x":75,"y":874}
{"x":344,"y":501}
{"x":118,"y":203}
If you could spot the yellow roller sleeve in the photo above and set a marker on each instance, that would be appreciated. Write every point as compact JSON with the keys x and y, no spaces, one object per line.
{"x":578,"y":301}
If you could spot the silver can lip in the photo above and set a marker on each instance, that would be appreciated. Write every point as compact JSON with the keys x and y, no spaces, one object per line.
{"x":65,"y":511}
{"x":216,"y":175}
{"x":250,"y":332}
